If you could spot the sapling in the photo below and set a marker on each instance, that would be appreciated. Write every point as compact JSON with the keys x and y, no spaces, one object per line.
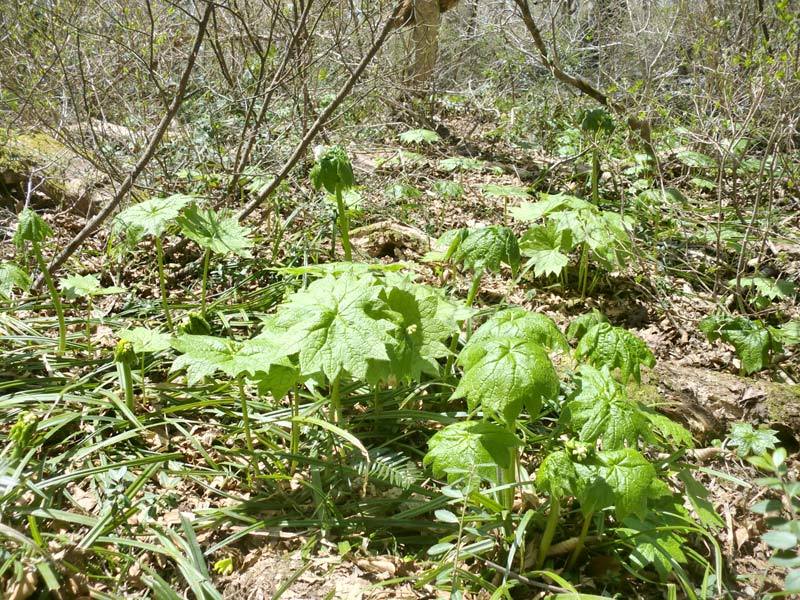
{"x":334,"y":172}
{"x":33,"y":229}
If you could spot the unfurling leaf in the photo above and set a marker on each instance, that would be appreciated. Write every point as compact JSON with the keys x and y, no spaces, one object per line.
{"x":332,"y":170}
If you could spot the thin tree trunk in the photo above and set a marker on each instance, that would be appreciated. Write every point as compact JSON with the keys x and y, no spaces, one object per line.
{"x":426,"y":41}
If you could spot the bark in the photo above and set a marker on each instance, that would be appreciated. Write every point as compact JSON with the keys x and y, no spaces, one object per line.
{"x":426,"y":42}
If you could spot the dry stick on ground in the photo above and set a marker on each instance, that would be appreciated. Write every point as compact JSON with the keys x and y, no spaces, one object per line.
{"x":640,"y":126}
{"x":312,"y":133}
{"x":145,"y":158}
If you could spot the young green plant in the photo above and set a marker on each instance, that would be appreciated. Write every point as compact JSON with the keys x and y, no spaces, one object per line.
{"x":216,"y":233}
{"x":152,"y":218}
{"x":334,"y":172}
{"x":32,"y":229}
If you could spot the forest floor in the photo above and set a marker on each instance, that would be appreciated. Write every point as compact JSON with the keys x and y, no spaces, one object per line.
{"x":694,"y":382}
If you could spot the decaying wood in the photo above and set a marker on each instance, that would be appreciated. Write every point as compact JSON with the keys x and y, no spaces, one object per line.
{"x":708,"y":401}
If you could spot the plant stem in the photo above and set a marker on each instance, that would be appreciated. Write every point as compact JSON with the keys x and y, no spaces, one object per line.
{"x":510,"y":475}
{"x":595,"y":176}
{"x":336,"y":406}
{"x":474,"y":287}
{"x":248,"y":436}
{"x":583,"y":271}
{"x":473,"y":291}
{"x":204,"y":288}
{"x":344,"y":225}
{"x":54,"y":297}
{"x":294,"y":446}
{"x":549,"y":532}
{"x":90,"y":309}
{"x":581,"y":541}
{"x":162,"y":283}
{"x":126,"y":382}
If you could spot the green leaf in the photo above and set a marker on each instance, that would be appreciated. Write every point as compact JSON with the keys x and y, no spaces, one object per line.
{"x":580,"y":325}
{"x":549,"y":203}
{"x":792,"y":583}
{"x":597,"y":120}
{"x":518,"y":323}
{"x":693,"y":159}
{"x":448,"y":189}
{"x":547,"y":248}
{"x":774,"y":289}
{"x":419,"y":136}
{"x":31,"y":228}
{"x":338,"y":325}
{"x":424,"y":320}
{"x":219,"y":232}
{"x":446,"y":245}
{"x":698,"y":497}
{"x":557,"y":475}
{"x":615,"y":347}
{"x":151,"y":217}
{"x":748,"y":440}
{"x":788,"y":334}
{"x":12,"y":276}
{"x":600,"y":410}
{"x":505,"y":191}
{"x":506,"y":373}
{"x":459,"y":163}
{"x":81,"y":286}
{"x":752,"y":341}
{"x":669,"y":430}
{"x":470,"y":447}
{"x":487,"y":248}
{"x":619,"y":478}
{"x":656,"y":537}
{"x":203,"y":355}
{"x":402,"y":191}
{"x":146,"y":340}
{"x":780,"y":540}
{"x":332,"y":170}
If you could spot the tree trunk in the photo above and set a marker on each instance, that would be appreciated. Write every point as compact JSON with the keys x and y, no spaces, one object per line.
{"x":425,"y":35}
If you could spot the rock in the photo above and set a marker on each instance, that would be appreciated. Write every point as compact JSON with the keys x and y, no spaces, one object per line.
{"x":54,"y":176}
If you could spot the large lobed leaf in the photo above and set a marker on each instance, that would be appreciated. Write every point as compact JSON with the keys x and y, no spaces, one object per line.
{"x":504,"y":374}
{"x":600,"y":410}
{"x":151,"y":217}
{"x":754,"y":343}
{"x":470,"y":450}
{"x":519,"y":323}
{"x":219,"y":232}
{"x":615,"y":347}
{"x":338,"y":325}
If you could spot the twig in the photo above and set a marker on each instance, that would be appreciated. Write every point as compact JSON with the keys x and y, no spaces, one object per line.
{"x":145,"y":158}
{"x":522,"y":579}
